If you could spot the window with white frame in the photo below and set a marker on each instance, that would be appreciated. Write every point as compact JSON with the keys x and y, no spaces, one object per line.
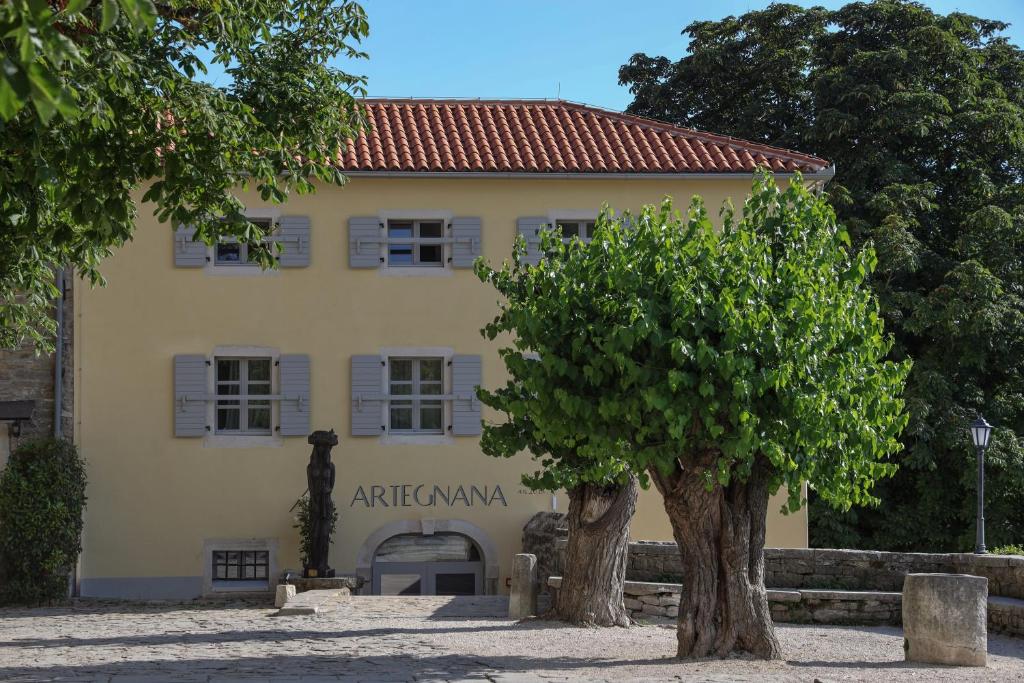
{"x":240,"y":565}
{"x":584,"y":229}
{"x":230,"y":252}
{"x":419,"y":379}
{"x":425,"y":246}
{"x":240,"y":382}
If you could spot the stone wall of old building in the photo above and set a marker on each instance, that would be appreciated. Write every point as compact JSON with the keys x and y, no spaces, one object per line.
{"x":24,"y":375}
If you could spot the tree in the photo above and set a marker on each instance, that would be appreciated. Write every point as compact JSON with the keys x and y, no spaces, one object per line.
{"x":602,"y":490}
{"x":923,"y":116}
{"x":101,"y":101}
{"x":725,"y":366}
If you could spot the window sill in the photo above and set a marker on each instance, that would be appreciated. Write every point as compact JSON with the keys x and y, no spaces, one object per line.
{"x":242,"y":441}
{"x":240,"y":271}
{"x":414,"y":271}
{"x":416,"y":440}
{"x":241,"y":586}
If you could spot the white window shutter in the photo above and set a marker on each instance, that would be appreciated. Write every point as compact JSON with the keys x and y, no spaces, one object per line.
{"x":529,"y":227}
{"x":466,"y":377}
{"x":293,"y":373}
{"x":466,"y":234}
{"x":293,"y":236}
{"x":190,"y":395}
{"x":367,"y":396}
{"x":365,"y":235}
{"x":188,"y":253}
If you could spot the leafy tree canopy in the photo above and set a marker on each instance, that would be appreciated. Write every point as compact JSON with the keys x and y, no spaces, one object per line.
{"x":99,"y":98}
{"x":664,"y":344}
{"x":923,"y":116}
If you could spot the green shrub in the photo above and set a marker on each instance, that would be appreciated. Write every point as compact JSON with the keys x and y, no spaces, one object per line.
{"x":302,"y":523}
{"x":42,"y":498}
{"x":1012,"y":549}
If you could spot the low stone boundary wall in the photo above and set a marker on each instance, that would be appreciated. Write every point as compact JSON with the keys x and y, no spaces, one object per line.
{"x":1006,"y":615}
{"x":815,"y":568}
{"x":645,"y":599}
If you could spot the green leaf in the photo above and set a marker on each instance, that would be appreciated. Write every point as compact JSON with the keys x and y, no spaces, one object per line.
{"x":110,"y":14}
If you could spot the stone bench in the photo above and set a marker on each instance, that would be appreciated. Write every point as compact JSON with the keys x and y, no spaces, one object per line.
{"x":352,"y":584}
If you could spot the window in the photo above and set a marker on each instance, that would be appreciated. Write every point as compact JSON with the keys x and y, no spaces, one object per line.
{"x":424,"y":248}
{"x":584,"y":229}
{"x":417,"y":378}
{"x":241,"y":565}
{"x":231,"y":253}
{"x":240,"y":383}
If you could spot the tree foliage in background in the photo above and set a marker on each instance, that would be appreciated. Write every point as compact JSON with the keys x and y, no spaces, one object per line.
{"x":99,"y":97}
{"x":602,"y":490}
{"x":923,"y":116}
{"x":724,"y":365}
{"x":42,"y":499}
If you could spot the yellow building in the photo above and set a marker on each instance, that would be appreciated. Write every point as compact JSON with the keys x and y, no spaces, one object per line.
{"x":198,"y":376}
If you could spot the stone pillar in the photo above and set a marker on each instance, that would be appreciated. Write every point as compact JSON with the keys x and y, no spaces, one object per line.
{"x":522,"y":600}
{"x":945,"y":619}
{"x":284,"y":592}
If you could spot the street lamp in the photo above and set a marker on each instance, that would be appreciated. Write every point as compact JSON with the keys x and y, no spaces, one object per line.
{"x":980,"y":433}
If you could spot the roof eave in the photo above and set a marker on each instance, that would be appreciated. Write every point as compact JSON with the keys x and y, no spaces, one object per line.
{"x":824,"y":175}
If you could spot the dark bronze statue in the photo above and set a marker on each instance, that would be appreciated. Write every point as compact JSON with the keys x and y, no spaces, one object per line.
{"x":320,"y":480}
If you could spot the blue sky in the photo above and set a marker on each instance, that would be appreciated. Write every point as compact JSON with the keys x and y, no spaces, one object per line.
{"x":538,"y":48}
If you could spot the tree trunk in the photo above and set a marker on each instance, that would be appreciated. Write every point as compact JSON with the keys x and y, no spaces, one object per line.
{"x":720,"y":533}
{"x":595,"y":562}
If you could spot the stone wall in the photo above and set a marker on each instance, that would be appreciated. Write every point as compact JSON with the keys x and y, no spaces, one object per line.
{"x":654,"y":600}
{"x":26,"y":376}
{"x":540,"y":538}
{"x":872,"y":570}
{"x":810,"y":585}
{"x":814,"y":568}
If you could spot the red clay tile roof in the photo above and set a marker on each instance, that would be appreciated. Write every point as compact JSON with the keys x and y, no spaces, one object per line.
{"x":544,"y":136}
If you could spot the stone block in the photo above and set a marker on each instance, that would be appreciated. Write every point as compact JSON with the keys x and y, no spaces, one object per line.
{"x":783,"y":596}
{"x":944,"y":619}
{"x":632,"y":604}
{"x":669,"y":599}
{"x":672,"y":611}
{"x":653,"y":610}
{"x":284,"y":592}
{"x":522,"y":599}
{"x":650,"y":599}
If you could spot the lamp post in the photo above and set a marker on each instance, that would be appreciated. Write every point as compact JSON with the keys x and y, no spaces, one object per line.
{"x":980,"y":433}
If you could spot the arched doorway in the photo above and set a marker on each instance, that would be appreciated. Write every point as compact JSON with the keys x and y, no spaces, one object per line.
{"x":486,"y":548}
{"x":439,"y":564}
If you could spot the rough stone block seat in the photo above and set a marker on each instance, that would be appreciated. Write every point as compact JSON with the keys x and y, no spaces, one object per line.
{"x":347,"y":584}
{"x":945,"y":619}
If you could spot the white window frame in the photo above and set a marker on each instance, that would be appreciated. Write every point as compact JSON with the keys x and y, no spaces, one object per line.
{"x":581,"y":218}
{"x":243,"y":397}
{"x":243,"y":266}
{"x":213,"y":586}
{"x":215,"y":439}
{"x":417,"y":438}
{"x":417,"y":270}
{"x":415,"y":389}
{"x":417,"y":225}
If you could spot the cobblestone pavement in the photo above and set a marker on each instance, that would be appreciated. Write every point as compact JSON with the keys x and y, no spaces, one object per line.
{"x":409,"y":639}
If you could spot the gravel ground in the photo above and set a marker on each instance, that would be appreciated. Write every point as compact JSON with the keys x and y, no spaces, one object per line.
{"x":402,"y":639}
